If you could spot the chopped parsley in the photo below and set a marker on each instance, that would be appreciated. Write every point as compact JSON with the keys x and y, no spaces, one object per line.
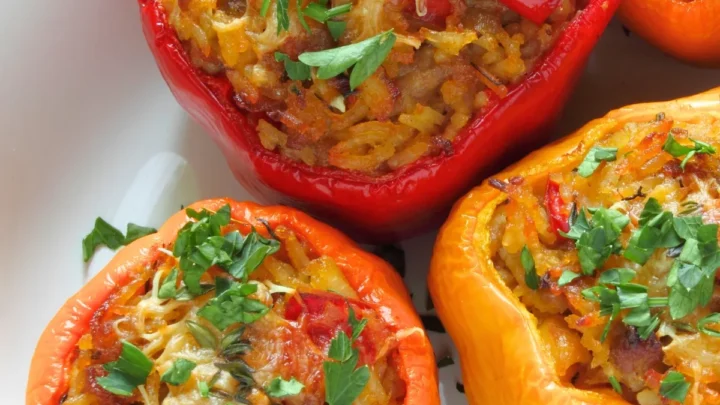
{"x":676,"y":149}
{"x":598,"y":238}
{"x":280,"y":388}
{"x":322,"y":14}
{"x":365,"y":57}
{"x":201,"y":245}
{"x":703,"y":327}
{"x":567,"y":277}
{"x":294,"y":70}
{"x":594,"y":157}
{"x":532,"y":280}
{"x":656,"y":231}
{"x":233,"y":306}
{"x":674,"y":386}
{"x":104,"y":234}
{"x":168,"y":288}
{"x":344,"y":381}
{"x":128,"y":372}
{"x":337,"y":28}
{"x":179,"y":372}
{"x":615,"y":384}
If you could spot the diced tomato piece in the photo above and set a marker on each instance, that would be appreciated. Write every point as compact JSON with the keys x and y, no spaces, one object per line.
{"x":556,"y":208}
{"x":536,"y":11}
{"x":322,"y":315}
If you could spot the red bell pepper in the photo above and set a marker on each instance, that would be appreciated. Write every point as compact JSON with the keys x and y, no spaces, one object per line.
{"x":556,"y":208}
{"x":407,"y":200}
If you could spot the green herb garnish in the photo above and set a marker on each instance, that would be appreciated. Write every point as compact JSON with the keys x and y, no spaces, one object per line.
{"x":283,"y":19}
{"x":595,"y":156}
{"x":615,"y":384}
{"x":179,"y":372}
{"x":104,"y":234}
{"x":321,"y":14}
{"x":168,"y":288}
{"x":233,"y":306}
{"x":703,"y":327}
{"x":204,"y":389}
{"x":280,"y":388}
{"x":567,"y":277}
{"x":294,"y":70}
{"x":597,"y":239}
{"x":656,"y":231}
{"x":674,"y":386}
{"x":673,"y":147}
{"x":337,"y":28}
{"x":128,"y":372}
{"x":344,"y":381}
{"x":364,"y":57}
{"x":532,"y":280}
{"x":200,"y":245}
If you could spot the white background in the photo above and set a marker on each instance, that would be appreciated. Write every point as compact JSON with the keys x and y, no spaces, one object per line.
{"x":84,"y":110}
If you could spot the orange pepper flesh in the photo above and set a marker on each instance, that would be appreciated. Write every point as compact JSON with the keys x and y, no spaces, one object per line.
{"x":374,"y":280}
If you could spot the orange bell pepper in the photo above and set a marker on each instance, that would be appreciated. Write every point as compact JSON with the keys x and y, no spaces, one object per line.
{"x":687,"y":30}
{"x":375,"y":282}
{"x":503,"y":359}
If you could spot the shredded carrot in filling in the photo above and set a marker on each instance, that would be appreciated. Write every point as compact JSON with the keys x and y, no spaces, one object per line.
{"x":226,"y":316}
{"x":617,"y":261}
{"x":413,"y":89}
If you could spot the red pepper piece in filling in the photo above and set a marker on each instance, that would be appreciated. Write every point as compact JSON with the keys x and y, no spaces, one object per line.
{"x":556,"y":208}
{"x":536,"y":11}
{"x":322,"y":315}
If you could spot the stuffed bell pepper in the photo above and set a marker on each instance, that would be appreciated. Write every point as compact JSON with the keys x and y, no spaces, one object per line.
{"x":690,"y":29}
{"x":587,"y":272}
{"x":235,"y":303}
{"x":375,"y":114}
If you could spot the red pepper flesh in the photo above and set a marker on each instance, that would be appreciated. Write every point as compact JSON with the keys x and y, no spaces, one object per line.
{"x":536,"y":11}
{"x":556,"y":208}
{"x":407,"y":200}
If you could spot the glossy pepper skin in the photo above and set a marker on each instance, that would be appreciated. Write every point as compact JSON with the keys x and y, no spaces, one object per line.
{"x":374,"y":280}
{"x":407,"y":200}
{"x":689,"y":30}
{"x":503,"y":359}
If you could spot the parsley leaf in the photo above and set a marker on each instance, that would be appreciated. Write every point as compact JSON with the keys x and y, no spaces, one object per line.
{"x":366,"y":57}
{"x":617,"y":276}
{"x":615,"y":384}
{"x":598,"y":239}
{"x":233,"y":306}
{"x":102,"y":234}
{"x":702,"y":325}
{"x":294,"y":70}
{"x":168,"y":288}
{"x":179,"y":372}
{"x":343,"y":382}
{"x":280,"y":388}
{"x":674,"y":386}
{"x":283,"y":19}
{"x":356,"y":325}
{"x":320,"y":13}
{"x":255,"y":249}
{"x":337,"y":28}
{"x":532,"y":280}
{"x":204,"y":389}
{"x":595,"y":156}
{"x":567,"y":277}
{"x":135,"y":232}
{"x":656,"y":230}
{"x":129,"y":371}
{"x":673,"y":147}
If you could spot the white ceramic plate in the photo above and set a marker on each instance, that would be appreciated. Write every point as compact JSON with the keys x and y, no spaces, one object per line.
{"x":84,"y":111}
